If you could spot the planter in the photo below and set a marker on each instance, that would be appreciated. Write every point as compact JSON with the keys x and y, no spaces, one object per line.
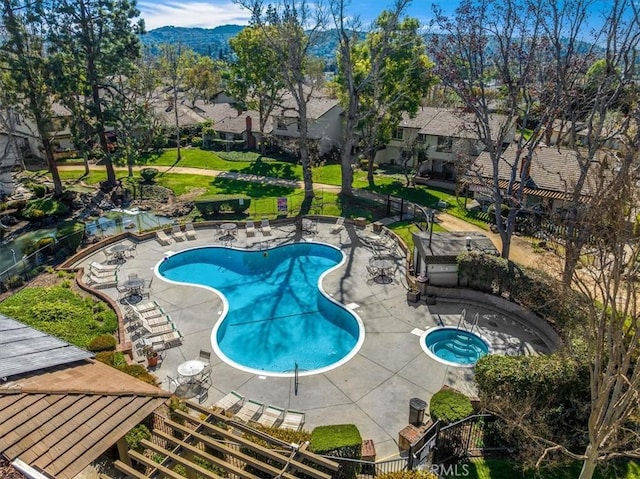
{"x":152,"y":360}
{"x":413,"y":296}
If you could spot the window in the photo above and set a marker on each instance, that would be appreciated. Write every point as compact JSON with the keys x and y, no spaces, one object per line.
{"x":444,"y":144}
{"x":281,"y":124}
{"x":422,"y":138}
{"x":398,"y":134}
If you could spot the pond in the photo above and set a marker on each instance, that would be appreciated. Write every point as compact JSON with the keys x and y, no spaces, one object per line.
{"x":111,"y":223}
{"x":119,"y":220}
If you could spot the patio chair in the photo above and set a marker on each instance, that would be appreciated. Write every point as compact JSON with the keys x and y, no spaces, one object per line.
{"x":265,"y":227}
{"x":164,"y":341}
{"x":190,"y":231}
{"x":177,"y":233}
{"x":157,"y":326}
{"x":162,"y":238}
{"x":102,"y":282}
{"x":292,"y":420}
{"x":270,"y":416}
{"x":144,"y":307}
{"x":249,"y":410}
{"x":339,"y":225}
{"x":250,"y":228}
{"x":230,"y":401}
{"x":96,"y":267}
{"x":204,"y":356}
{"x":131,"y":252}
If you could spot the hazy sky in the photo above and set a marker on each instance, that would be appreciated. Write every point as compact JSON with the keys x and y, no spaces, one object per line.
{"x":209,"y":14}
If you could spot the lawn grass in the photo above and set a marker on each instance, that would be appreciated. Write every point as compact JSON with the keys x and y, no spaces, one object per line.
{"x":405,"y":230}
{"x":503,"y":469}
{"x":59,"y":311}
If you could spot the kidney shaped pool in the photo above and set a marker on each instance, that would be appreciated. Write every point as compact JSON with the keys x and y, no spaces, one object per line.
{"x":278,"y":317}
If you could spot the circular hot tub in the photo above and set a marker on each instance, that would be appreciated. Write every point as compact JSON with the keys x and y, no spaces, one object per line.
{"x":453,"y":346}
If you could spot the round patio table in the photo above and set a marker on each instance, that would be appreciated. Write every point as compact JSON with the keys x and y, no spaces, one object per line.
{"x":191,"y":368}
{"x":383,"y":268}
{"x":118,"y":252}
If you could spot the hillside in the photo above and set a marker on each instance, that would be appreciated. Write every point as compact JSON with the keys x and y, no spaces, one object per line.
{"x":213,"y":42}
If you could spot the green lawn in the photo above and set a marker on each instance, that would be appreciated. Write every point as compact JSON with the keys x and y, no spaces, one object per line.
{"x":253,"y":163}
{"x":502,"y":469}
{"x":405,"y":230}
{"x":58,"y":311}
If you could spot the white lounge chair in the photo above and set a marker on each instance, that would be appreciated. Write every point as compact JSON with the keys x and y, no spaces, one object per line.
{"x":96,"y":267}
{"x":162,"y":238}
{"x":250,"y":228}
{"x":292,"y":420}
{"x":270,"y":416}
{"x":144,"y":307}
{"x":339,"y":225}
{"x":265,"y":227}
{"x":249,"y":410}
{"x":177,"y":233}
{"x":102,"y":282}
{"x":190,"y":231}
{"x":230,"y":401}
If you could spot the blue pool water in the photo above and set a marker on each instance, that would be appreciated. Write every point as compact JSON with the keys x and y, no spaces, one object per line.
{"x":277,"y":316}
{"x":456,"y":346}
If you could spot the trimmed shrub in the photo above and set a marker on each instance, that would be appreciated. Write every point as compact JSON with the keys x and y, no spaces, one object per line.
{"x":148,"y":174}
{"x":341,"y":440}
{"x":104,"y":342}
{"x":46,"y":245}
{"x":39,"y":190}
{"x":196,"y":142}
{"x":449,"y":406}
{"x":416,"y":474}
{"x":214,"y":205}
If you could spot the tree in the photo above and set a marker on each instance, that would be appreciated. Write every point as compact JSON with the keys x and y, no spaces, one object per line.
{"x":352,"y":82}
{"x":202,"y":80}
{"x":95,"y":42}
{"x":136,"y":124}
{"x":175,"y":61}
{"x":539,"y":60}
{"x":255,"y":78}
{"x":23,"y":54}
{"x":291,"y":27}
{"x":392,"y":73}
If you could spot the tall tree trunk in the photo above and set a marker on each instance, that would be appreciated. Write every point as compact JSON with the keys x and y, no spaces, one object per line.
{"x":589,"y":464}
{"x":177,"y":118}
{"x":85,"y":161}
{"x":346,"y":157}
{"x":102,"y":135}
{"x":53,"y":167}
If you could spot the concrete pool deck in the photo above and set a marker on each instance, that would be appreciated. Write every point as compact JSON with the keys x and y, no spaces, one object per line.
{"x":374,"y":388}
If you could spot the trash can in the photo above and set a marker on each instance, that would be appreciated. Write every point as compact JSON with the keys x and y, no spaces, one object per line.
{"x":416,"y":411}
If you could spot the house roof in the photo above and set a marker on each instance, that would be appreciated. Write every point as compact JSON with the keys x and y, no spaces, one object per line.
{"x":24,"y":349}
{"x":445,"y":247}
{"x":317,"y":106}
{"x":448,"y":122}
{"x":552,"y":169}
{"x":61,"y":419}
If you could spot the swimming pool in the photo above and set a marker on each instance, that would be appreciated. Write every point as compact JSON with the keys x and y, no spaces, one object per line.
{"x":453,"y":346}
{"x":276,"y":315}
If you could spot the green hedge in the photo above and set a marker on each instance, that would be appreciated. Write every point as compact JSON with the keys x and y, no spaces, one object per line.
{"x":341,"y":440}
{"x":449,"y":406}
{"x":104,"y":342}
{"x":214,"y":205}
{"x":532,"y":289}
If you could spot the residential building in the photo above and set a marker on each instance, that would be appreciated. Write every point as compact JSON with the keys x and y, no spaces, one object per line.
{"x":440,"y":140}
{"x":550,"y":179}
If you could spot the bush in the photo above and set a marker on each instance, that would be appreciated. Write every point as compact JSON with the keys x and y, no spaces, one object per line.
{"x":214,"y":205}
{"x":342,"y":440}
{"x":70,"y":235}
{"x":39,"y":190}
{"x":148,"y":174}
{"x":104,"y":342}
{"x":196,"y":142}
{"x":13,"y":282}
{"x":45,"y":245}
{"x":135,"y":437}
{"x":416,"y":474}
{"x":450,"y":406}
{"x":37,"y":209}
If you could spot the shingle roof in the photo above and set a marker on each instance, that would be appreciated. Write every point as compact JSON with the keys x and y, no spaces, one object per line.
{"x":61,"y":420}
{"x":24,"y":349}
{"x":552,"y":168}
{"x":448,"y":122}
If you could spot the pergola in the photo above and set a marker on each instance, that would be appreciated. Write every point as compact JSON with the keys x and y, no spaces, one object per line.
{"x":232,"y":448}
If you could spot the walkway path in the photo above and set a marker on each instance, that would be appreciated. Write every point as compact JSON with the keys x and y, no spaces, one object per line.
{"x":521,"y":250}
